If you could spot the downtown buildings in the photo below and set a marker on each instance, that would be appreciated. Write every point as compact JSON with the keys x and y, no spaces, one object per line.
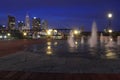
{"x":29,"y":24}
{"x":11,"y":22}
{"x":30,"y":27}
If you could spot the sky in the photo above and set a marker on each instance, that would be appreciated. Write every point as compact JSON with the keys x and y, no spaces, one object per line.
{"x":64,"y":13}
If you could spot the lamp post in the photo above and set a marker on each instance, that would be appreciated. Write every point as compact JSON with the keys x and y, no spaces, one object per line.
{"x":109,"y":25}
{"x":109,"y":19}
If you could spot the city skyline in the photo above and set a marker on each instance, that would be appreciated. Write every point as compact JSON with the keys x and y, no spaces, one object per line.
{"x":28,"y":23}
{"x":64,"y":14}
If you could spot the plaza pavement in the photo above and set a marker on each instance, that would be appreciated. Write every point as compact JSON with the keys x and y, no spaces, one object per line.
{"x":28,"y":61}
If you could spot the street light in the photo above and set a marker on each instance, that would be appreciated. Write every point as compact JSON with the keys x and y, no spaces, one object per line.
{"x":1,"y":36}
{"x":76,"y":32}
{"x":110,"y":31}
{"x":5,"y":36}
{"x":8,"y":34}
{"x":24,"y":33}
{"x":110,"y":15}
{"x":49,"y":32}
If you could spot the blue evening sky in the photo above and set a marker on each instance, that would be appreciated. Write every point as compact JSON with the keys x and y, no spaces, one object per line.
{"x":64,"y":13}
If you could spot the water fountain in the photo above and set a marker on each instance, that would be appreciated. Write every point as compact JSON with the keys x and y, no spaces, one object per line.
{"x":82,"y":40}
{"x":71,"y":39}
{"x":111,"y":43}
{"x":64,"y":56}
{"x":33,"y":36}
{"x":118,"y":40}
{"x":106,"y":39}
{"x":101,"y":38}
{"x":93,"y":39}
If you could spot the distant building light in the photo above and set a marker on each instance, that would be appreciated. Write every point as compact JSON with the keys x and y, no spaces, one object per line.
{"x":5,"y":36}
{"x":38,"y":36}
{"x":49,"y":32}
{"x":35,"y":17}
{"x":3,"y":25}
{"x":8,"y":34}
{"x":1,"y":36}
{"x":55,"y":31}
{"x":105,"y":30}
{"x":25,"y":34}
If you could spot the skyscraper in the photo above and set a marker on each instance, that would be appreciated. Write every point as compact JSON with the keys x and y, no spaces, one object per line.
{"x":20,"y":25}
{"x":27,"y":23}
{"x":36,"y":24}
{"x":11,"y":22}
{"x":44,"y":24}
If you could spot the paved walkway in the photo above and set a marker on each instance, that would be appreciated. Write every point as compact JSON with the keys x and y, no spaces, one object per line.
{"x":10,"y":47}
{"x":17,"y":75}
{"x":28,"y":61}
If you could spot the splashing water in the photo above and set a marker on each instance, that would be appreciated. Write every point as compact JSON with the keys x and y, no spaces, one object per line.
{"x":118,"y":40}
{"x":71,"y":39}
{"x":101,"y":38}
{"x":93,"y":38}
{"x":82,"y":40}
{"x":111,"y":43}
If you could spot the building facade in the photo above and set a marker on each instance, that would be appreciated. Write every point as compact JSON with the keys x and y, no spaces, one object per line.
{"x":11,"y":22}
{"x":36,"y":24}
{"x":20,"y":25}
{"x":44,"y":24}
{"x":27,"y":23}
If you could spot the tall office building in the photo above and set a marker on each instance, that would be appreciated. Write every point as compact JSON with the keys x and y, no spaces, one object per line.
{"x":36,"y":23}
{"x":44,"y":24}
{"x":11,"y":22}
{"x":20,"y":25}
{"x":27,"y":23}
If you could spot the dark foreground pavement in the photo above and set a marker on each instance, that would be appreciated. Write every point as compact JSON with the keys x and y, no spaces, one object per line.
{"x":12,"y":46}
{"x":8,"y":75}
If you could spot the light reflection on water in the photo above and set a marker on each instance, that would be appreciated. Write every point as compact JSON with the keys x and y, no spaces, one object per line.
{"x":110,"y":54}
{"x":49,"y":49}
{"x":48,"y":43}
{"x":61,"y":48}
{"x":76,"y":42}
{"x":55,"y":43}
{"x":49,"y":52}
{"x":73,"y":49}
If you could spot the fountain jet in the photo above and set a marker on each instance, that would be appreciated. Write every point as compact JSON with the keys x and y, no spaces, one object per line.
{"x":118,"y":40}
{"x":111,"y":43}
{"x":101,"y":38}
{"x":93,"y":38}
{"x":71,"y":40}
{"x":82,"y":40}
